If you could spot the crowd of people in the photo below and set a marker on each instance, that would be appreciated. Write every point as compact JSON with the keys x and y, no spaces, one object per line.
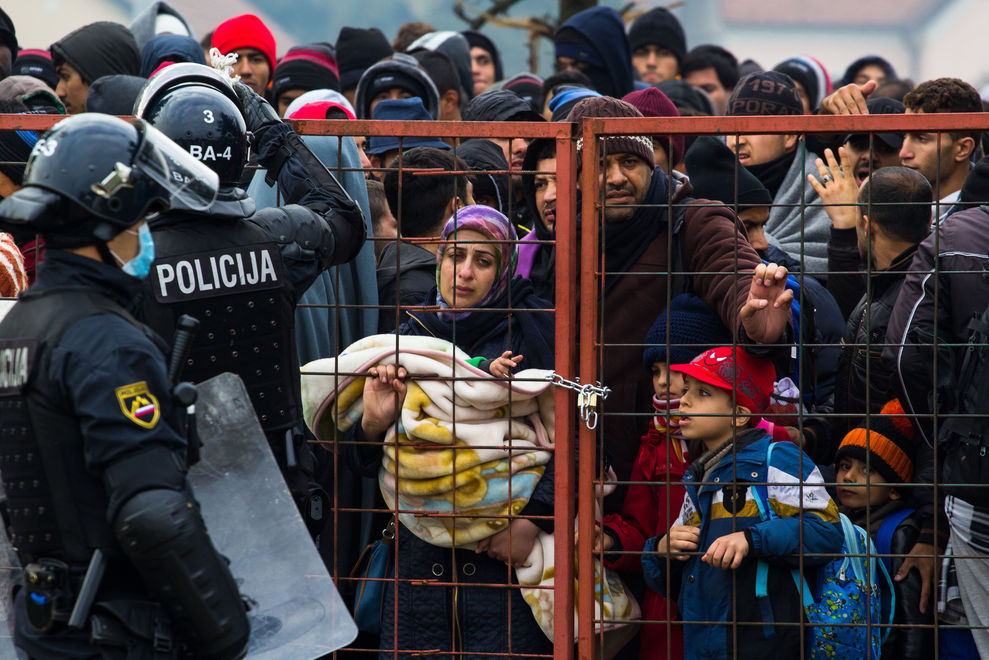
{"x":786,"y":322}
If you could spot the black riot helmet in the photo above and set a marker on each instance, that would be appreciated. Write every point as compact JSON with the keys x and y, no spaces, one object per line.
{"x":196,"y":106}
{"x":93,"y":175}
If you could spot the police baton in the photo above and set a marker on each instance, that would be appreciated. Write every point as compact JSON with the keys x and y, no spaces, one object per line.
{"x":185,"y":332}
{"x":185,"y":394}
{"x":87,"y":592}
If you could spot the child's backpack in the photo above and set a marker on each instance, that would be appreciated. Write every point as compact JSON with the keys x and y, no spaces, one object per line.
{"x":884,"y":537}
{"x":846,"y":610}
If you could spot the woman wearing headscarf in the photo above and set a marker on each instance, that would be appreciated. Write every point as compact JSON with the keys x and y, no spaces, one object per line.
{"x":476,"y":284}
{"x":475,"y":288}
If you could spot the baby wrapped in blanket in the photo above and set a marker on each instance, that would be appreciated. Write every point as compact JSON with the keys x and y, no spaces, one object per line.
{"x":467,"y":447}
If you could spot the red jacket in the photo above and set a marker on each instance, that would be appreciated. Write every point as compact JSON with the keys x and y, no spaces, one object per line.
{"x":648,"y":510}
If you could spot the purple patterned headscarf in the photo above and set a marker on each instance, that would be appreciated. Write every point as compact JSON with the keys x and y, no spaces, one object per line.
{"x":495,"y":226}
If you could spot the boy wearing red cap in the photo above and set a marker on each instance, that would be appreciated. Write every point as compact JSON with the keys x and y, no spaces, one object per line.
{"x":708,"y":560}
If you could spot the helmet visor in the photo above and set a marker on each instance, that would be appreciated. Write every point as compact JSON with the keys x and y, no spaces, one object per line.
{"x":185,"y":178}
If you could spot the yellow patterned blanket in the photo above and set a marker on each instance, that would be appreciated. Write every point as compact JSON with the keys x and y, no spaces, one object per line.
{"x":467,"y":451}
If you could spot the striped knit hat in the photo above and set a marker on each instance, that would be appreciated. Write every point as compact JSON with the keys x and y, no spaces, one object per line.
{"x":888,"y":441}
{"x":605,"y":106}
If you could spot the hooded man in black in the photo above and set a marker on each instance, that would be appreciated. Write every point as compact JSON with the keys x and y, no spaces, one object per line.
{"x":594,"y":42}
{"x":505,"y":105}
{"x":158,"y":18}
{"x":90,"y":52}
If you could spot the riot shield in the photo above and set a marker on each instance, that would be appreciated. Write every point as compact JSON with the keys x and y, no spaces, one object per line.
{"x":10,"y":575}
{"x":253,"y":520}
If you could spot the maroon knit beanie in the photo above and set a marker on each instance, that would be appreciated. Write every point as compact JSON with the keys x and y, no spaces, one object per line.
{"x":245,"y":31}
{"x":607,"y":107}
{"x":653,"y":103}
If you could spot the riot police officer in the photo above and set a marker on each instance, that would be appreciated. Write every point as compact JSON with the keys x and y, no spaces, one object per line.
{"x":93,"y":450}
{"x":241,"y":272}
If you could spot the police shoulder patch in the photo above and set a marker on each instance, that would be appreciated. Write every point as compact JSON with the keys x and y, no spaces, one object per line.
{"x":138,"y":404}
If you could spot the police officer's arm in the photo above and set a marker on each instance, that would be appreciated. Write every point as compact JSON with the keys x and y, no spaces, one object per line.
{"x":301,"y":177}
{"x":116,"y":382}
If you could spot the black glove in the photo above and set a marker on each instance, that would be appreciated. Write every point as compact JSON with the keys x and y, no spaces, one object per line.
{"x":258,"y":113}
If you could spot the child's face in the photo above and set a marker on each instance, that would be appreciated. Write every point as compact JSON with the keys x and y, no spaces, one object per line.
{"x":665,"y":383}
{"x":853,"y":471}
{"x":705,"y":413}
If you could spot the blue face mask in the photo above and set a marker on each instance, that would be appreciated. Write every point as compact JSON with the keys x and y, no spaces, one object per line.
{"x":140,"y":265}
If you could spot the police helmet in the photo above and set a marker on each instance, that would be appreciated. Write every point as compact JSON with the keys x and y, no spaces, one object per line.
{"x":93,"y":175}
{"x":197,"y":107}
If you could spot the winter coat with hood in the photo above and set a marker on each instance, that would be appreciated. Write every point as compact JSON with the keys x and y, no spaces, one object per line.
{"x":144,"y":26}
{"x":602,"y":32}
{"x":721,"y":499}
{"x":335,"y":311}
{"x":403,"y":71}
{"x":169,"y":48}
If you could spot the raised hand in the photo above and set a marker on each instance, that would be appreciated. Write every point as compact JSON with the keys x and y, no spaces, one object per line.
{"x":848,"y":100}
{"x":835,"y":185}
{"x":766,"y":313}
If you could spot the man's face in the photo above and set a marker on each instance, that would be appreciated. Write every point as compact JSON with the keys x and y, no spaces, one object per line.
{"x":924,"y":153}
{"x":482,"y":68}
{"x":380,"y":161}
{"x":570,"y":64}
{"x":863,"y":239}
{"x":514,"y":150}
{"x":285,"y":99}
{"x":361,"y":142}
{"x":546,"y":191}
{"x":6,"y":61}
{"x":759,"y":149}
{"x":865,"y":161}
{"x":655,"y":63}
{"x":754,"y":219}
{"x":253,"y":68}
{"x":707,"y":79}
{"x":390,"y":94}
{"x":71,"y":89}
{"x":802,"y":92}
{"x":659,"y":156}
{"x":626,"y":182}
{"x":869,"y":72}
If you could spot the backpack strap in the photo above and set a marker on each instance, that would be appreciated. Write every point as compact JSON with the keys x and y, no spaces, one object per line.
{"x":884,"y":537}
{"x":761,"y":492}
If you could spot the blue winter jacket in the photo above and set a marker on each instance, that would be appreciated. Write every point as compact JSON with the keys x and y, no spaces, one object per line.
{"x":720,"y":500}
